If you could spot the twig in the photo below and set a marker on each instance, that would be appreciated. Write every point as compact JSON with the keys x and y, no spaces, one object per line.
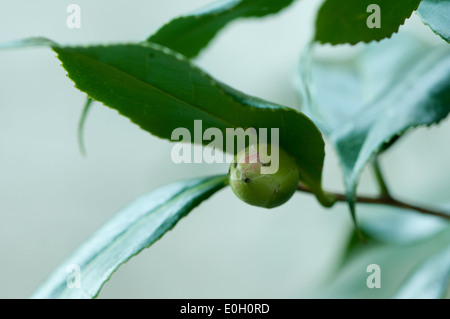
{"x":382,"y":200}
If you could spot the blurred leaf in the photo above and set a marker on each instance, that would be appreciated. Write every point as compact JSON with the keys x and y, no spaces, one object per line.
{"x":397,"y":241}
{"x":27,"y":43}
{"x":189,"y":34}
{"x":134,"y":228}
{"x":345,"y":21}
{"x":386,"y":225}
{"x":393,"y":226}
{"x":429,"y":280}
{"x":397,"y":262}
{"x":355,"y":245}
{"x":363,"y":102}
{"x":86,"y":108}
{"x":436,"y":13}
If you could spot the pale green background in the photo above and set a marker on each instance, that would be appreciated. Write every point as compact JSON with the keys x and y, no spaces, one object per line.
{"x":51,"y":198}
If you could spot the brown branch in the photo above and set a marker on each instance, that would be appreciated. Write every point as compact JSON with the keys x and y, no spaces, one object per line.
{"x":382,"y":200}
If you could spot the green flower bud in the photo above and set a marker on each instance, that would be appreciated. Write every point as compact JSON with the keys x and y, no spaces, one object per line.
{"x":262,"y":180}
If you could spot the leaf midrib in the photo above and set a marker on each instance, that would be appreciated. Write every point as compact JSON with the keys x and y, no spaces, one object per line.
{"x":228,"y":124}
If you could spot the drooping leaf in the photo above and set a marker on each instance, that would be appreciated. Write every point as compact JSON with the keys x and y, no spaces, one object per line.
{"x":160,"y":90}
{"x":346,"y":21}
{"x":430,"y":280}
{"x":363,"y":102}
{"x":436,"y":13}
{"x":134,"y":228}
{"x":189,"y":34}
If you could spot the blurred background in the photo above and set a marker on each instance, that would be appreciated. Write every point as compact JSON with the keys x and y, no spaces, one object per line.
{"x":52,"y":198}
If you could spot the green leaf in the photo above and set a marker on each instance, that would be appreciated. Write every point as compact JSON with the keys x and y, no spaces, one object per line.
{"x":430,"y":280}
{"x":189,"y":34}
{"x":355,"y":245}
{"x":346,"y":21}
{"x":385,"y":225}
{"x":160,"y":90}
{"x":397,"y":263}
{"x":134,"y":228}
{"x":436,"y":13}
{"x":363,"y":102}
{"x":393,"y":226}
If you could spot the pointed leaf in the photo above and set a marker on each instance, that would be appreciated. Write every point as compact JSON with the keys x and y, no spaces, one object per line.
{"x":134,"y":228}
{"x":345,"y":21}
{"x":189,"y":34}
{"x":161,"y":90}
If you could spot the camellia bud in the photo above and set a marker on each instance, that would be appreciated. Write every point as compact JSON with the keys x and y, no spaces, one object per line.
{"x":255,"y":183}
